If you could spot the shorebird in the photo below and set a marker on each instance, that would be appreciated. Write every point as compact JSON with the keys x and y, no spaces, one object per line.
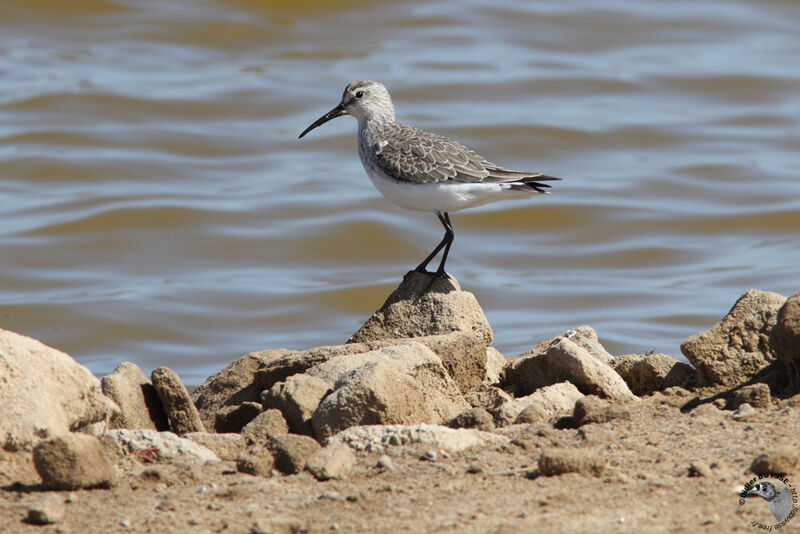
{"x":423,"y":171}
{"x":779,"y":502}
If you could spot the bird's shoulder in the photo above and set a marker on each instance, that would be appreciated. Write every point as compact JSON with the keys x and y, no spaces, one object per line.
{"x":411,"y":154}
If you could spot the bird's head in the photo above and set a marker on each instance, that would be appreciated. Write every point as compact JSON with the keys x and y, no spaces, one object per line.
{"x":765,"y":490}
{"x":364,"y":100}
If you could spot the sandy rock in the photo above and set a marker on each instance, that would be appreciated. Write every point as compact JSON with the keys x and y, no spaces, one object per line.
{"x":785,"y":339}
{"x":297,"y":398}
{"x":227,"y":447}
{"x":233,"y":385}
{"x":738,"y":347}
{"x":472,"y":418}
{"x":550,"y":401}
{"x":138,"y":402}
{"x":48,"y":509}
{"x":645,"y":374}
{"x":267,"y":424}
{"x":756,"y":395}
{"x":73,"y":461}
{"x":565,"y":360}
{"x":333,"y":461}
{"x":278,"y":525}
{"x":583,"y":336}
{"x":495,"y":366}
{"x":745,"y":412}
{"x":531,"y":414}
{"x":783,"y":460}
{"x":44,"y":393}
{"x":495,"y":401}
{"x":293,"y":362}
{"x":291,"y":452}
{"x":181,"y":412}
{"x":374,"y":394}
{"x":424,"y":305}
{"x":381,"y":438}
{"x":234,"y":418}
{"x":559,"y":461}
{"x":593,"y":409}
{"x":257,"y":461}
{"x":400,"y":384}
{"x":164,"y":445}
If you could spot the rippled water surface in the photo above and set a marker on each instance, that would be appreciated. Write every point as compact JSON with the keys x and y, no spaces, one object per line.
{"x":158,"y":206}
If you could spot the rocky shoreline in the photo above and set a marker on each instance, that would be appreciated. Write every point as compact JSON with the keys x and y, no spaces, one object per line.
{"x":416,"y":424}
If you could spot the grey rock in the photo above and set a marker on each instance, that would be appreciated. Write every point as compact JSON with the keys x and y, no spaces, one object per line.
{"x":138,"y":402}
{"x":785,"y":339}
{"x":738,"y":347}
{"x":297,"y":398}
{"x":73,"y":461}
{"x":233,"y":385}
{"x":384,"y":437}
{"x":165,"y":445}
{"x":48,"y":509}
{"x":334,"y":461}
{"x":234,"y":418}
{"x":291,"y":452}
{"x":45,"y":393}
{"x":565,"y":360}
{"x":227,"y":447}
{"x":267,"y":424}
{"x":646,"y":374}
{"x":181,"y":411}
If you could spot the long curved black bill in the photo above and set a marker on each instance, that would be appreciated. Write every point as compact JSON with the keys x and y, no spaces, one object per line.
{"x":338,"y":111}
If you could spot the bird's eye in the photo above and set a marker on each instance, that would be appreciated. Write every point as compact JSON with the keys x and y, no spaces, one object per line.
{"x":359,"y":94}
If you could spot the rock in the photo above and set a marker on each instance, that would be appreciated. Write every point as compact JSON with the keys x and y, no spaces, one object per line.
{"x":565,"y":360}
{"x":756,"y":395}
{"x":785,"y":339}
{"x":583,"y":336}
{"x":48,"y":509}
{"x":646,"y":374}
{"x":44,"y":393}
{"x":232,"y":386}
{"x":495,"y":366}
{"x":291,"y":452}
{"x":227,"y":447}
{"x":231,"y":419}
{"x":592,"y":409}
{"x":268,"y":423}
{"x":399,"y":384}
{"x":559,"y":461}
{"x":745,"y":412}
{"x":161,"y":445}
{"x":425,"y":305}
{"x":779,"y":461}
{"x":531,"y":414}
{"x":181,"y":412}
{"x":386,"y":463}
{"x":738,"y":347}
{"x":297,"y":398}
{"x":294,"y":362}
{"x":472,"y":418}
{"x":374,"y":394}
{"x":699,"y":469}
{"x":333,"y":461}
{"x":257,"y":462}
{"x":380,"y":438}
{"x":551,"y":401}
{"x":495,"y":401}
{"x":138,"y":402}
{"x":278,"y":525}
{"x":73,"y":461}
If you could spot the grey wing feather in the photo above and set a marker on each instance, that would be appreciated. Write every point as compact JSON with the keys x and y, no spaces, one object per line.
{"x":413,"y":155}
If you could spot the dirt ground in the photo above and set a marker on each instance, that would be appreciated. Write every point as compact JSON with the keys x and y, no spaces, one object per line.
{"x":648,"y":484}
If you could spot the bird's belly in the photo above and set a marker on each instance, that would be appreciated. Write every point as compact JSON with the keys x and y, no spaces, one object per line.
{"x":444,"y":197}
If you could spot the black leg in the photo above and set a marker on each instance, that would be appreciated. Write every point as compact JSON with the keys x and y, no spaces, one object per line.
{"x":446,"y":241}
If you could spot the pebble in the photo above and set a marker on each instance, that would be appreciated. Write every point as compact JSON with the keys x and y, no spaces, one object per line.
{"x":429,"y":456}
{"x":744,"y":412}
{"x":47,"y":510}
{"x":385,"y":462}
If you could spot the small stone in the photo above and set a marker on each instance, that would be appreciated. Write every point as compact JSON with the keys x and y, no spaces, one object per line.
{"x":291,"y":452}
{"x":756,"y":395}
{"x":227,"y":447}
{"x":73,"y":461}
{"x":297,"y":398}
{"x":331,"y":496}
{"x":181,"y":412}
{"x":385,"y":462}
{"x":783,"y":460}
{"x":258,"y":462}
{"x":429,"y":456}
{"x":126,"y":523}
{"x":333,"y":461}
{"x":533,"y":413}
{"x":593,"y":409}
{"x":559,"y":461}
{"x":231,"y":419}
{"x":744,"y":412}
{"x":699,"y":469}
{"x":267,"y":424}
{"x":472,"y":418}
{"x":47,"y":510}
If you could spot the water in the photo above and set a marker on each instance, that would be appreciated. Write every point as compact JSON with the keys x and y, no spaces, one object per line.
{"x":159,"y":208}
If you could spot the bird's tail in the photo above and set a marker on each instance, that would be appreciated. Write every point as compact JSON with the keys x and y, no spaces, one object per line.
{"x":534,"y":183}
